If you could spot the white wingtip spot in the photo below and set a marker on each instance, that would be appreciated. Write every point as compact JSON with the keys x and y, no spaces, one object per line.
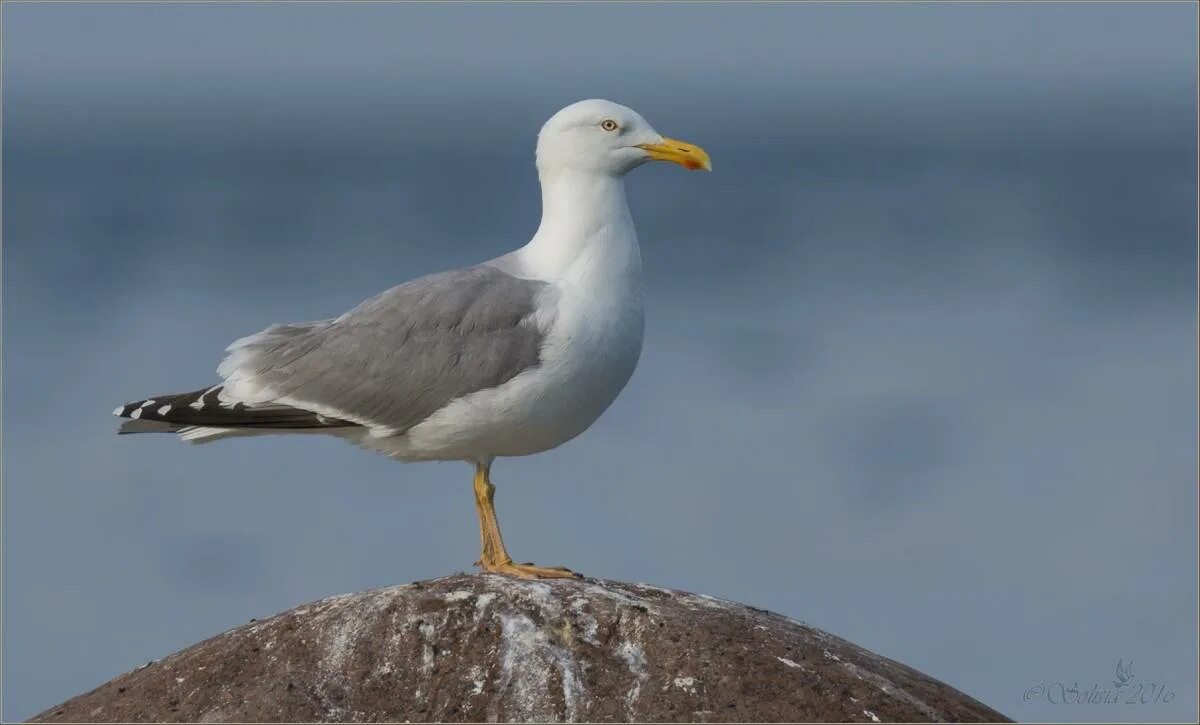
{"x":164,"y":410}
{"x":136,"y":414}
{"x":118,"y":410}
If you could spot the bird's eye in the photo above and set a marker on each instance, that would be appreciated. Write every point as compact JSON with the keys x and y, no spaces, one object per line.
{"x":609,"y":125}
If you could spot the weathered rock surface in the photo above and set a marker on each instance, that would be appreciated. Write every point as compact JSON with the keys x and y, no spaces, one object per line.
{"x":490,"y":648}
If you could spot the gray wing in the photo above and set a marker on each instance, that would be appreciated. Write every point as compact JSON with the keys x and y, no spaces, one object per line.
{"x":397,"y":358}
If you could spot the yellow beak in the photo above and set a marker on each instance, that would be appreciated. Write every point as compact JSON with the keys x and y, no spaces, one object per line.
{"x":688,"y":155}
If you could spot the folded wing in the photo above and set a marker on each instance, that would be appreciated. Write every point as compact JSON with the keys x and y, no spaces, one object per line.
{"x":397,"y":358}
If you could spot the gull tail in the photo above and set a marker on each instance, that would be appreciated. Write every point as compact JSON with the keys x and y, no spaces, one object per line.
{"x":205,"y":415}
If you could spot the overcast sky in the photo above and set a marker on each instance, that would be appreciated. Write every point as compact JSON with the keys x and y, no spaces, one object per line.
{"x":920,"y":357}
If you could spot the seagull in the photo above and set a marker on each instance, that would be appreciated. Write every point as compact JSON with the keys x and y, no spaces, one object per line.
{"x":510,"y":357}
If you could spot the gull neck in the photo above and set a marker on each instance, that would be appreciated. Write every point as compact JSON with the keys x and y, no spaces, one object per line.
{"x":584,"y":217}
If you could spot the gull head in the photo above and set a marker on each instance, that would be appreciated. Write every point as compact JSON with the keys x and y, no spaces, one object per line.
{"x":609,"y":139}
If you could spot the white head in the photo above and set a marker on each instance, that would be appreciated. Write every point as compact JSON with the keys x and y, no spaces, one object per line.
{"x":606,"y":138}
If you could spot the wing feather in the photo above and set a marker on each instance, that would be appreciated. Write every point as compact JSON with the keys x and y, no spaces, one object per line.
{"x":398,"y":357}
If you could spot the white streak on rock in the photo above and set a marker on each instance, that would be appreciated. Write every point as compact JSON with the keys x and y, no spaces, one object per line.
{"x":704,"y":600}
{"x":481,"y":604}
{"x":635,"y":659}
{"x":527,"y":658}
{"x":687,"y":684}
{"x":889,"y":688}
{"x":427,"y":649}
{"x":477,"y":678}
{"x":651,"y":587}
{"x":597,"y":590}
{"x":340,"y":646}
{"x":790,"y":663}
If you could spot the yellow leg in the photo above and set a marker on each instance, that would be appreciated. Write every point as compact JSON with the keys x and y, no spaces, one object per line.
{"x":494,"y":556}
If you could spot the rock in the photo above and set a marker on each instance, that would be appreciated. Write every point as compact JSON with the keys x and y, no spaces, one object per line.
{"x":487,"y":647}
